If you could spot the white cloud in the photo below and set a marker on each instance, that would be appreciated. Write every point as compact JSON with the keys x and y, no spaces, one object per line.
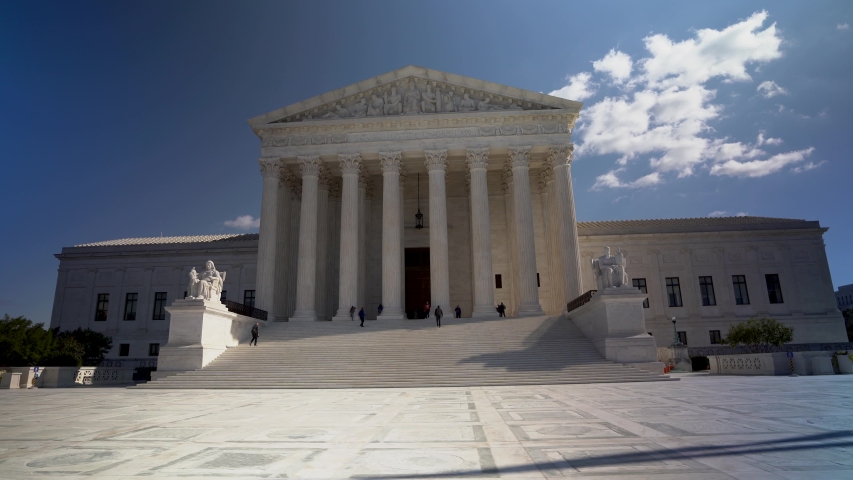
{"x":760,"y":168}
{"x":616,"y":64}
{"x":808,"y":166}
{"x":842,"y":26}
{"x":717,"y":213}
{"x":244,"y":222}
{"x":742,"y":214}
{"x":663,"y":110}
{"x":579,"y":88}
{"x":769,"y":89}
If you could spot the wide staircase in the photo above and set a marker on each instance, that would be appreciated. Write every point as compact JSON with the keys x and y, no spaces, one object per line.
{"x":411,"y":353}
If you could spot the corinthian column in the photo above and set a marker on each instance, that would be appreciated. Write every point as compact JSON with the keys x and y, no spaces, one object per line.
{"x":322,"y":245}
{"x":481,"y":240}
{"x":391,"y":238}
{"x":265,"y":281}
{"x":564,"y":203}
{"x":348,"y":283}
{"x":306,"y":270}
{"x":528,"y":290}
{"x":439,"y":270}
{"x":282,"y":245}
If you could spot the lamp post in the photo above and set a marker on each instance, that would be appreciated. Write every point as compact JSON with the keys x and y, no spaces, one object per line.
{"x":419,"y":217}
{"x":675,"y":341}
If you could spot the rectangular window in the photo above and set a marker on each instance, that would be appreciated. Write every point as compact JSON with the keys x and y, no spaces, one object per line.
{"x":159,"y":306}
{"x":223,"y":296}
{"x":124,"y":350}
{"x":741,"y":293}
{"x":130,"y":306}
{"x":153,"y":349}
{"x":103,"y":307}
{"x":249,"y":298}
{"x":706,"y":287}
{"x":682,"y":337}
{"x":716,"y":338}
{"x":673,"y":291}
{"x":641,"y":284}
{"x":498,"y":281}
{"x":774,"y":288}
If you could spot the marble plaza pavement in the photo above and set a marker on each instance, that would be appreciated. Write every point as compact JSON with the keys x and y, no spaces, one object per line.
{"x":701,"y":427}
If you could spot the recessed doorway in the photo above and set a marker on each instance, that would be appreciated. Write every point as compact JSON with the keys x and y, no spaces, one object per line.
{"x":417,"y":281}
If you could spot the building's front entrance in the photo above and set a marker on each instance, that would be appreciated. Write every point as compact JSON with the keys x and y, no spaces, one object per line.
{"x":417,"y":281}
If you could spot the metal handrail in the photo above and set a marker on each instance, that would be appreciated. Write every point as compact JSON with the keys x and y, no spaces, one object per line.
{"x":582,"y":300}
{"x":246,"y":310}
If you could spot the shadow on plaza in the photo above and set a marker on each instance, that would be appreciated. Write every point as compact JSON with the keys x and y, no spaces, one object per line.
{"x":540,"y":344}
{"x":821,"y":441}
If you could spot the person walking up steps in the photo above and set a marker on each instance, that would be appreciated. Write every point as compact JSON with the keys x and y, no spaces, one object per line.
{"x":361,"y":315}
{"x":351,"y":312}
{"x":438,"y":315}
{"x":254,"y":334}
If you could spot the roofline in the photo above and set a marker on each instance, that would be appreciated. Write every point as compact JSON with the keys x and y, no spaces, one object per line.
{"x":422,"y":72}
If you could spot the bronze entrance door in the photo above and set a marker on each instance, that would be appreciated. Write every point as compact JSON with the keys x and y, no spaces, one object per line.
{"x":417,"y":281}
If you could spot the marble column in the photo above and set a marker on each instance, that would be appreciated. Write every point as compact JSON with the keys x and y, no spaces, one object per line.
{"x":322,"y":245}
{"x":361,"y":289}
{"x":293,"y":241}
{"x":403,"y":241}
{"x":334,"y":247}
{"x":439,"y":270}
{"x":282,"y":243}
{"x":306,"y":269}
{"x":481,"y":237}
{"x":511,"y":282}
{"x":391,"y":240}
{"x":561,"y":158}
{"x":348,"y":277}
{"x":265,"y":281}
{"x":528,"y":290}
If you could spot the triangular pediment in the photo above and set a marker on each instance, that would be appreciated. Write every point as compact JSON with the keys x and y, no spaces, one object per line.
{"x":414,"y":91}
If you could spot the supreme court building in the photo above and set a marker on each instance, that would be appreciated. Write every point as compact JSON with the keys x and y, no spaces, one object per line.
{"x":419,"y":185}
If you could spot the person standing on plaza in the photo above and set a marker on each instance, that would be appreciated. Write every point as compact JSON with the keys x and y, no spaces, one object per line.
{"x":458,"y":312}
{"x":361,"y":315}
{"x":351,"y":312}
{"x":438,"y":315}
{"x":501,"y":310}
{"x":380,"y":309}
{"x":254,"y":334}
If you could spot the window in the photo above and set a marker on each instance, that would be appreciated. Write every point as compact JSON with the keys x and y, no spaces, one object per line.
{"x":706,"y":287}
{"x":223,"y":296}
{"x":124,"y":350}
{"x":716,"y":338}
{"x":774,"y":289}
{"x":537,"y":280}
{"x":682,"y":337}
{"x":741,"y":294}
{"x":103,"y":306}
{"x":673,"y":291}
{"x":159,"y":306}
{"x":249,"y":298}
{"x":498,"y":281}
{"x":130,"y":306}
{"x":641,"y":284}
{"x":153,"y":349}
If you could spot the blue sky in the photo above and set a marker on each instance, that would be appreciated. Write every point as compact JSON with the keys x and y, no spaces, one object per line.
{"x":114,"y":114}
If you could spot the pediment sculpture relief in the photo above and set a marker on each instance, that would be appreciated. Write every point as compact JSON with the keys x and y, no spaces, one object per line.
{"x":413,"y":96}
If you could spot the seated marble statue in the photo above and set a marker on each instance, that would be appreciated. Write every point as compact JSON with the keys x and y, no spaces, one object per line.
{"x":609,"y":270}
{"x":209,"y":286}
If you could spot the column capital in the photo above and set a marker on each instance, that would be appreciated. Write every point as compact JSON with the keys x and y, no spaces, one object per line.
{"x":363,"y":177}
{"x":477,"y":157}
{"x":325,"y":178}
{"x":391,"y":161}
{"x":560,"y":155}
{"x":519,"y":156}
{"x":506,"y":181}
{"x":270,"y":167}
{"x":334,"y":188}
{"x":436,"y":160}
{"x":402,"y":175}
{"x":310,"y":165}
{"x":350,"y":163}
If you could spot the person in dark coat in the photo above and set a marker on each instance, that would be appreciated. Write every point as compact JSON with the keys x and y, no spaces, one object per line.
{"x":361,"y":315}
{"x":501,"y":310}
{"x":438,"y":315}
{"x":380,"y":309}
{"x":254,"y":334}
{"x":458,"y":312}
{"x":351,"y":312}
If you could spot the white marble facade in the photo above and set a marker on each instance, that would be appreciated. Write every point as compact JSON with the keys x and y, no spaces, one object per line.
{"x":489,"y":166}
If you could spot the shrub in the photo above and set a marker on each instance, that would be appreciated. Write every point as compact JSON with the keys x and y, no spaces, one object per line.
{"x":23,"y":343}
{"x":91,"y":346}
{"x":759,"y":335}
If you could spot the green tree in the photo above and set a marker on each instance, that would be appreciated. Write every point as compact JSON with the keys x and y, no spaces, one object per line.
{"x":759,"y":335}
{"x":94,"y":344}
{"x":23,"y":343}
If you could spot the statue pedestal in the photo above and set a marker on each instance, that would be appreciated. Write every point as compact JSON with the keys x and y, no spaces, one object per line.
{"x":199,"y":331}
{"x":613,"y":320}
